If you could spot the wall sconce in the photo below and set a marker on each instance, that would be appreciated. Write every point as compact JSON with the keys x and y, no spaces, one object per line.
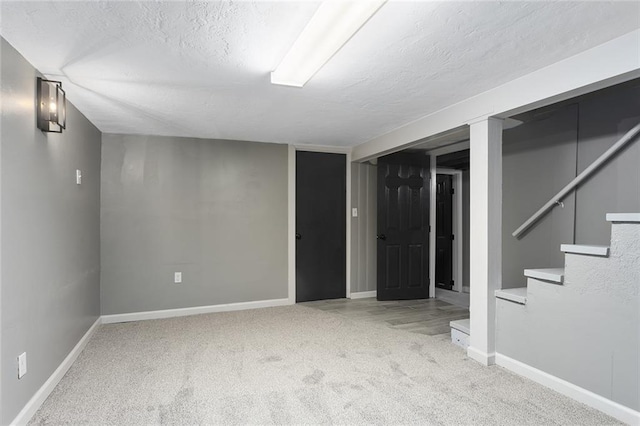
{"x":52,"y":106}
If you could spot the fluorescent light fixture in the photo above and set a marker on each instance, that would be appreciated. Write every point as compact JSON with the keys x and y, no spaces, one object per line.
{"x":333,"y":24}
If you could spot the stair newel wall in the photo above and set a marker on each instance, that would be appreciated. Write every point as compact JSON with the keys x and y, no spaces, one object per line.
{"x":577,"y":328}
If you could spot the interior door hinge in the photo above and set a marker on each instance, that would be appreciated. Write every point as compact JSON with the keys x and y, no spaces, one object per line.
{"x":453,"y":190}
{"x":429,"y":228}
{"x":452,"y":282}
{"x":453,"y":237}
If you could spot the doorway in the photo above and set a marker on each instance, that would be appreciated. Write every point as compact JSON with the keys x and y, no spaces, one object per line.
{"x":452,"y":227}
{"x":444,"y":231}
{"x":320,"y":226}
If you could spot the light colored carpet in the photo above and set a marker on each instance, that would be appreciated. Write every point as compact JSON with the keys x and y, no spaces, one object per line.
{"x":292,"y":365}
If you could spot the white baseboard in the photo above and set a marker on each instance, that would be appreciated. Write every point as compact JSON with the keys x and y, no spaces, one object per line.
{"x":593,"y":400}
{"x":43,"y":393}
{"x":364,"y":294}
{"x":480,"y":356}
{"x":181,"y":312}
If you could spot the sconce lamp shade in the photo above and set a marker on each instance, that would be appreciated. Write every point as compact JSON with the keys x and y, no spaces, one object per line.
{"x":52,"y":106}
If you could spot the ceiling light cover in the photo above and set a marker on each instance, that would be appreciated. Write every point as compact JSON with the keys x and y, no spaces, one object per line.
{"x":333,"y":24}
{"x":52,"y":106}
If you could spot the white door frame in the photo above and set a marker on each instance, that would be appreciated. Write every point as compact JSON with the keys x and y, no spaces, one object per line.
{"x":292,"y":213}
{"x":457,"y":226}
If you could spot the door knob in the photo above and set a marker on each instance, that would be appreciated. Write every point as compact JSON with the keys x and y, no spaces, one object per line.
{"x":298,"y":236}
{"x":381,"y":237}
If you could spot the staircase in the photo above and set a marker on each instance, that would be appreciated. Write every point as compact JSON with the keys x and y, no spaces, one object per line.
{"x":581,"y":323}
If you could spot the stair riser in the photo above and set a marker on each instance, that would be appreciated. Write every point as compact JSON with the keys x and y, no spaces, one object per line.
{"x":536,"y":286}
{"x":587,"y":274}
{"x":625,"y":240}
{"x":459,"y":338}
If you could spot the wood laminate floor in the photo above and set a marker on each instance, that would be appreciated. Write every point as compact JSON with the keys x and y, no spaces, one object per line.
{"x":423,"y":316}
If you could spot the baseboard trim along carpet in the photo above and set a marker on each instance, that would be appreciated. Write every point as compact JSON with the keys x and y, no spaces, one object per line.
{"x":593,"y":400}
{"x":364,"y":294}
{"x":182,"y":312}
{"x":42,"y":394}
{"x":482,"y":357}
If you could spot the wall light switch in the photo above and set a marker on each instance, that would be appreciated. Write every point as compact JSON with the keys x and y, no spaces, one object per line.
{"x":22,"y":365}
{"x":78,"y":177}
{"x":354,"y":212}
{"x":177,"y":277}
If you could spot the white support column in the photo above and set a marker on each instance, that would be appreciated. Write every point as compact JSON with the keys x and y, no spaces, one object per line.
{"x":485,"y":236}
{"x":291,"y":225}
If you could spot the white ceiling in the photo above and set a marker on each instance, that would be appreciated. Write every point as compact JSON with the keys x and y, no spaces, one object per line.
{"x":202,"y":69}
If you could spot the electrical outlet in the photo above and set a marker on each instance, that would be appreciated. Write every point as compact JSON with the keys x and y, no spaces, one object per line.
{"x":177,"y":277}
{"x":22,"y":365}
{"x":354,"y":212}
{"x":78,"y":177}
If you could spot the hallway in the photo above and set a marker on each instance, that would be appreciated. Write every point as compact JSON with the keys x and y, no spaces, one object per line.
{"x":424,"y":316}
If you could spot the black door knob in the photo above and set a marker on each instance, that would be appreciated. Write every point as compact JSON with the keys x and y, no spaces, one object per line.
{"x":298,"y":236}
{"x":382,"y":237}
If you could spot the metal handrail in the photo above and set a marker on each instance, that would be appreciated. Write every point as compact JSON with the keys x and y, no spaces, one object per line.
{"x":578,"y":179}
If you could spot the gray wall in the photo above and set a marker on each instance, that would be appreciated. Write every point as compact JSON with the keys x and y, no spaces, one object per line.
{"x":363,"y":228}
{"x":604,"y":119}
{"x":541,"y":156}
{"x":539,"y":159}
{"x":50,"y":235}
{"x":214,"y":210}
{"x":585,"y":331}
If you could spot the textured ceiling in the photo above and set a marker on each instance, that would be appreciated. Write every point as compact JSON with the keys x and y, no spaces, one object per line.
{"x":202,"y":69}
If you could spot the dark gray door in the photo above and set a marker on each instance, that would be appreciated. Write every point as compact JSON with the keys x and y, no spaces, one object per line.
{"x":444,"y":231}
{"x":403,"y":226}
{"x":320,"y":226}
